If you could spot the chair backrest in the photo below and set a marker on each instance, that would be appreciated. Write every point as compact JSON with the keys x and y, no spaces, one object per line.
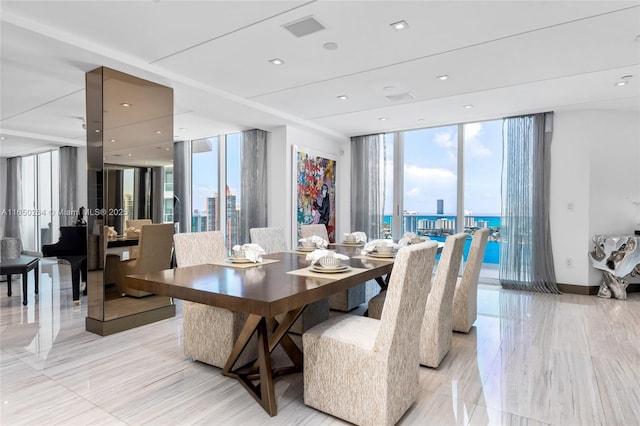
{"x":405,"y":302}
{"x":137,"y":223}
{"x":444,"y":282}
{"x":270,"y":239}
{"x":198,"y":248}
{"x":466,"y":292}
{"x":155,"y":247}
{"x":310,"y":230}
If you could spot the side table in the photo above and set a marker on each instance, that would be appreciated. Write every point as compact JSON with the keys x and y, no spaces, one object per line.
{"x":21,"y":265}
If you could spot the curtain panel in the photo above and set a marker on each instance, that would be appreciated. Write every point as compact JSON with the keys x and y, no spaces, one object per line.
{"x":13,"y":197}
{"x":526,"y":256}
{"x":68,"y":183}
{"x":253,"y":182}
{"x":367,"y":184}
{"x":182,"y":185}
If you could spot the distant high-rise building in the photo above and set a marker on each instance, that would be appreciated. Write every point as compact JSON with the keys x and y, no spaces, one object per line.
{"x":212,"y":213}
{"x":127,"y":206}
{"x":440,"y":209}
{"x":233,"y":220}
{"x":198,"y":222}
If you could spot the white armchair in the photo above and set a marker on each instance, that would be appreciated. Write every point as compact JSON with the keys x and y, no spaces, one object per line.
{"x":363,"y":370}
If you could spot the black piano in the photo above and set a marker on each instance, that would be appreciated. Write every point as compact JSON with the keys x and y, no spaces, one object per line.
{"x":71,"y":247}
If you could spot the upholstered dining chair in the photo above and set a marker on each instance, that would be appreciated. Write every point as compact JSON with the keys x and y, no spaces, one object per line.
{"x":363,"y":370}
{"x":465,"y":296}
{"x":272,"y":241}
{"x":209,"y":332}
{"x":435,"y":332}
{"x":155,"y":249}
{"x":137,"y":223}
{"x":345,"y":300}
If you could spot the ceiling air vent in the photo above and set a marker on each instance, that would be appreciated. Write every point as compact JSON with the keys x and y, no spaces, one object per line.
{"x":304,"y":26}
{"x":407,"y":96}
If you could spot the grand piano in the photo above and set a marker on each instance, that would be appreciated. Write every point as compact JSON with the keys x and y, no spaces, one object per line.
{"x":72,"y":247}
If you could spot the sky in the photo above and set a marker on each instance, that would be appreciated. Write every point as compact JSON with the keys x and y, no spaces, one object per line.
{"x":430,"y":169}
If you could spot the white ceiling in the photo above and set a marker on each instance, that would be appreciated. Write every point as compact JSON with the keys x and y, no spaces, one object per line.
{"x":503,"y":57}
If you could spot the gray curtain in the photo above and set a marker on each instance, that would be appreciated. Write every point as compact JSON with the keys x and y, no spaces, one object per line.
{"x":157,"y":194}
{"x":13,"y":197}
{"x":367,"y":184}
{"x":182,"y":185}
{"x":526,"y":256}
{"x":68,"y":178}
{"x":253,"y":182}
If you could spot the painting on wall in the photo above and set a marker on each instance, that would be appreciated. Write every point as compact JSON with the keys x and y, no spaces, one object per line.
{"x":315,"y":191}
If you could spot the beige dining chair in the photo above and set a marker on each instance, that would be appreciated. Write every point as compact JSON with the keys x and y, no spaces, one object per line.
{"x":209,"y":332}
{"x":363,"y":370}
{"x":272,"y":240}
{"x":154,"y":254}
{"x":137,"y":223}
{"x":465,"y":296}
{"x":344,"y":300}
{"x":435,"y":332}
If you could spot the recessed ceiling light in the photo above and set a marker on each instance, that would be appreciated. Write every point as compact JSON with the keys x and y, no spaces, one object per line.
{"x":128,"y":155}
{"x":382,"y":119}
{"x":343,"y":97}
{"x":167,"y":149}
{"x":330,"y":46}
{"x":468,"y":106}
{"x":112,"y":140}
{"x":621,"y":83}
{"x":400,"y":25}
{"x":443,"y":77}
{"x":276,"y":61}
{"x":97,"y":130}
{"x":2,"y":137}
{"x":125,"y":104}
{"x":159,"y":132}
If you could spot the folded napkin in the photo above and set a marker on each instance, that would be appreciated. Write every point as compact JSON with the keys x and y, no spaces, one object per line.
{"x":320,"y":242}
{"x":316,"y":255}
{"x":406,"y":239}
{"x":360,"y":237}
{"x":252,"y":251}
{"x":371,"y":245}
{"x":132,"y":232}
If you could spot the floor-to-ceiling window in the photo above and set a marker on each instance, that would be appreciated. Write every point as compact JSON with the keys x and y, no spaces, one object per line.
{"x":204,"y":191}
{"x":40,"y":218}
{"x":233,"y":165}
{"x":443,"y":180}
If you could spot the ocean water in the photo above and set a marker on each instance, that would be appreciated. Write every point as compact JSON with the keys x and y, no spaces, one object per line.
{"x":492,"y":252}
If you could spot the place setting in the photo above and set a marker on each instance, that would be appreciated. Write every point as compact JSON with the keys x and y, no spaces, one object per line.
{"x":312,"y":243}
{"x":326,"y":262}
{"x":355,"y":239}
{"x":246,"y":256}
{"x":379,"y":250}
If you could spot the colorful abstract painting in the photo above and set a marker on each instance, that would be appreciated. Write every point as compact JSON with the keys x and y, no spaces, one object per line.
{"x":316,"y":192}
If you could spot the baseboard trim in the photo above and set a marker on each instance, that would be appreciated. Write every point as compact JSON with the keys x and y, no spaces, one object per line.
{"x":591,"y":290}
{"x":105,"y":328}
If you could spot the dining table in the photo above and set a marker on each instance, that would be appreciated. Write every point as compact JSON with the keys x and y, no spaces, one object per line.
{"x":284,"y":283}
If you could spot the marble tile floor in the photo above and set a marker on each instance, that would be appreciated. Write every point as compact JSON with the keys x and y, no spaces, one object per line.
{"x":531,"y":359}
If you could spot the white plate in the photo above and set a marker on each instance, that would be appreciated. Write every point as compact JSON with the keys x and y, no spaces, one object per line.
{"x":239,"y":260}
{"x":306,"y":248}
{"x":381,"y":255}
{"x":343,"y":268}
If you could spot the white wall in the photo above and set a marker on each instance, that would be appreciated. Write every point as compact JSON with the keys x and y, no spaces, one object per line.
{"x":280,"y":175}
{"x":595,"y":169}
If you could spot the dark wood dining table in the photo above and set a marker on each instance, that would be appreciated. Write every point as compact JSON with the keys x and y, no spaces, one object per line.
{"x":262,"y":291}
